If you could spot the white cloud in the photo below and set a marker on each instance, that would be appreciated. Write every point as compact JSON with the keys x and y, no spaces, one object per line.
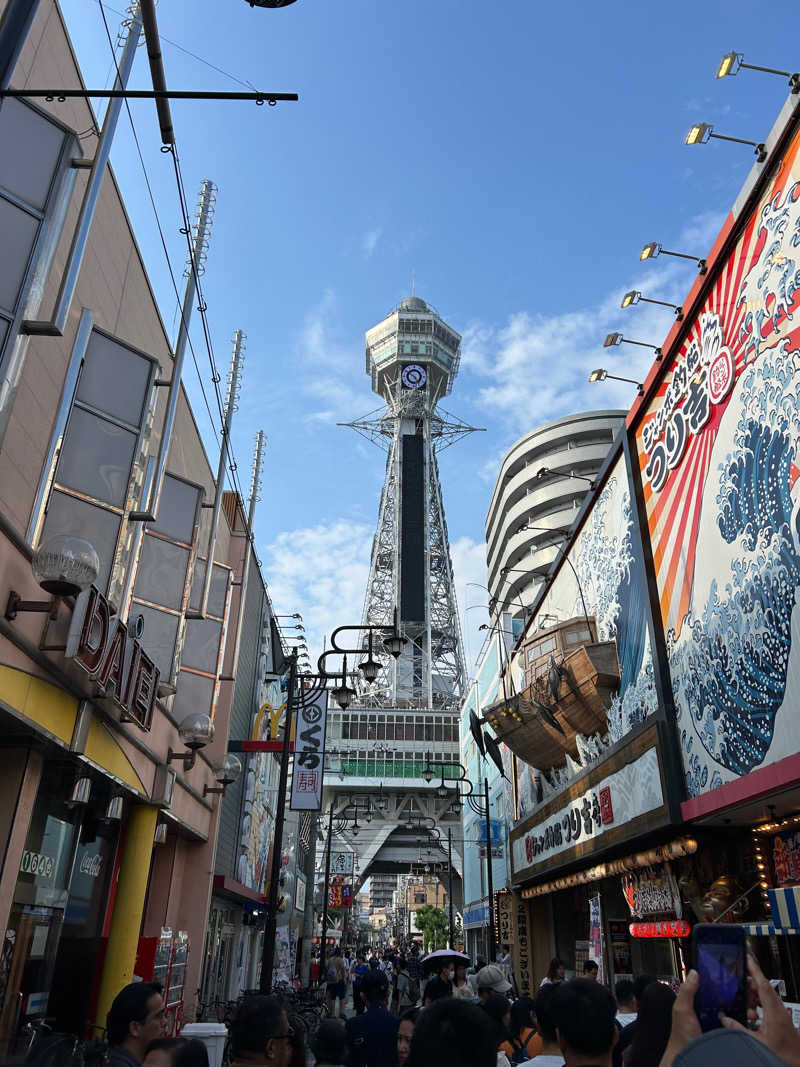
{"x":469,"y":573}
{"x":536,"y":366}
{"x":320,"y":571}
{"x":369,"y":242}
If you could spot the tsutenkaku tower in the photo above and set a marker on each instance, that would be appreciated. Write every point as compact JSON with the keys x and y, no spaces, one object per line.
{"x":412,"y":360}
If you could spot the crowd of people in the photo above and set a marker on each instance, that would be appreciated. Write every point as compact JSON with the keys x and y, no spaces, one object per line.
{"x":468,"y":1020}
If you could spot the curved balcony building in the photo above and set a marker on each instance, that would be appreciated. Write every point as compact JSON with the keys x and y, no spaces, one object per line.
{"x":572,"y":448}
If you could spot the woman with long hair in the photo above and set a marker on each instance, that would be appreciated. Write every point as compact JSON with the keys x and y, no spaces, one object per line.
{"x":653,"y":1026}
{"x":524,"y":1043}
{"x":555,"y":973}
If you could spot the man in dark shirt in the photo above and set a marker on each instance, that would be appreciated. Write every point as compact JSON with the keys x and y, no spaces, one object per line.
{"x":372,"y":1037}
{"x":629,"y":1032}
{"x":133,"y":1021}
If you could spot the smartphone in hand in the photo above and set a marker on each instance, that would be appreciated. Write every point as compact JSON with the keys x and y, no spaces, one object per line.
{"x":719,"y":959}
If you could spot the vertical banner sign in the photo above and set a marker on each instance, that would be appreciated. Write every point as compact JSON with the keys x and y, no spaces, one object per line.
{"x":596,"y":935}
{"x":521,"y":958}
{"x":309,"y":749}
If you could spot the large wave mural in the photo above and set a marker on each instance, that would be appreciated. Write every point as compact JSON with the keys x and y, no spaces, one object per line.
{"x":728,"y":510}
{"x":613,"y":587}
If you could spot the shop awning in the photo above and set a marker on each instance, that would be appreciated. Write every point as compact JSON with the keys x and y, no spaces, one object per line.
{"x":785,"y":906}
{"x":767,"y":929}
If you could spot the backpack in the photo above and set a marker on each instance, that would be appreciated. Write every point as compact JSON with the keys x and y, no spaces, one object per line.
{"x":330,"y":972}
{"x":521,"y":1054}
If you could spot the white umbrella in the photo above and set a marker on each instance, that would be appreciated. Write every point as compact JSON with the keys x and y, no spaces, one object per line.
{"x":443,"y":954}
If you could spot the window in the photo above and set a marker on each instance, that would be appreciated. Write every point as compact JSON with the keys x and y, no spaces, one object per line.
{"x":577,"y":637}
{"x":26,"y":178}
{"x":200,"y":653}
{"x":161,"y":588}
{"x":102,"y":441}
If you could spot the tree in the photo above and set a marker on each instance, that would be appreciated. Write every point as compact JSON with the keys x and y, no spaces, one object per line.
{"x":432,"y":923}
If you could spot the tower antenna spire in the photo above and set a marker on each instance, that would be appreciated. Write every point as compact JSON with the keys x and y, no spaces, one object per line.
{"x":413,"y":281}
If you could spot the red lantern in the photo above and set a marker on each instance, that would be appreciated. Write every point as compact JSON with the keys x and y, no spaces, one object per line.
{"x":661,"y":928}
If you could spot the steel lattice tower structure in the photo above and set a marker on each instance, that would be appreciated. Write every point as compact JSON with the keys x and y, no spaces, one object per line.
{"x":412,"y":357}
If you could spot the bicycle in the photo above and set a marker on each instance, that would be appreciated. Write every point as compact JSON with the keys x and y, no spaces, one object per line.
{"x":47,"y":1048}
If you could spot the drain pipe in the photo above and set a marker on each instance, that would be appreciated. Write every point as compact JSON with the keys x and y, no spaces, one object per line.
{"x":194,"y":268}
{"x":69,"y":279}
{"x":234,"y":382}
{"x":255,"y":485}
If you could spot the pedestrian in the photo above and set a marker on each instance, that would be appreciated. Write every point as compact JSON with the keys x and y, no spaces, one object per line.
{"x":297,"y":1042}
{"x":498,"y":1009}
{"x":133,"y":1021}
{"x":176,"y":1052}
{"x":590,"y":970}
{"x":403,"y":987}
{"x":334,"y":976}
{"x":462,"y":987}
{"x":452,"y":1033}
{"x":550,"y":1055}
{"x":405,"y":1032}
{"x":330,"y":1043}
{"x":626,"y":1002}
{"x":261,"y":1034}
{"x":436,"y":989}
{"x":652,"y":1033}
{"x":491,"y":979}
{"x":585,"y":1026}
{"x":640,"y":983}
{"x":372,"y":1037}
{"x":523,"y":1043}
{"x":555,"y":973}
{"x":360,"y":969}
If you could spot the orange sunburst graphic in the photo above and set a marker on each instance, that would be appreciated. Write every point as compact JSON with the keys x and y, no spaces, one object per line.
{"x":674,"y":510}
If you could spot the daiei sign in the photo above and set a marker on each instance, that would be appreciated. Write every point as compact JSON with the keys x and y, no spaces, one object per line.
{"x":102,"y":647}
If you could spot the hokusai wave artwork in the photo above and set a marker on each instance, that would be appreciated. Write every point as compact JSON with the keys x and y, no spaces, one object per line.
{"x":733,"y":513}
{"x":612,"y":582}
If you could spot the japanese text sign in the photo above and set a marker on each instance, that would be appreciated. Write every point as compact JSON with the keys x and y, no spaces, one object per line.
{"x":309,"y":750}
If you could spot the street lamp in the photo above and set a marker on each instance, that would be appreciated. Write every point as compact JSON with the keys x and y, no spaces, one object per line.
{"x":343,"y":694}
{"x":196,"y":731}
{"x":225,"y":775}
{"x":544,"y":472}
{"x":370,"y":667}
{"x":732,"y":62}
{"x":613,"y":339}
{"x":63,"y":566}
{"x":601,"y":374}
{"x":634,"y":297}
{"x":653,"y":249}
{"x":702,"y":132}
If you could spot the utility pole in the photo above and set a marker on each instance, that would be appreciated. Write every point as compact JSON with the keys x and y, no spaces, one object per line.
{"x":451,"y":942}
{"x":268,"y":960}
{"x":489,"y":886}
{"x":324,"y":931}
{"x":308,"y":912}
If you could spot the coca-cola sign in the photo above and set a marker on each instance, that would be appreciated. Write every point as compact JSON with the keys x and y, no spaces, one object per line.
{"x":91,"y":865}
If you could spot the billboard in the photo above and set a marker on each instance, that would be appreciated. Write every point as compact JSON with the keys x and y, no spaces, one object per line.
{"x":309,"y":750}
{"x":717,"y":449}
{"x":260,"y":780}
{"x":612,"y":590}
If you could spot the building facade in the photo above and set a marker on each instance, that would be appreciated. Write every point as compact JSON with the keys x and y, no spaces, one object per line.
{"x":109,"y":664}
{"x":648,"y":717}
{"x":568,"y":452}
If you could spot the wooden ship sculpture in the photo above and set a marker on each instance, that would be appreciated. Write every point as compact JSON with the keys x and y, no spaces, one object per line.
{"x":570,"y":681}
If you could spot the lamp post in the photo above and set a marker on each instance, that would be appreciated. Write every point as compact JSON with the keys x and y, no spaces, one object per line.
{"x":451,"y":942}
{"x":268,"y":957}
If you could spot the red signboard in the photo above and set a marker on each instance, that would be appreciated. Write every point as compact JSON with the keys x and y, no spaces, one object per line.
{"x":340,"y":896}
{"x":663,"y":928}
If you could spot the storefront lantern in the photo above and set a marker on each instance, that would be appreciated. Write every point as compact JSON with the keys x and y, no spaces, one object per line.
{"x":661,"y":928}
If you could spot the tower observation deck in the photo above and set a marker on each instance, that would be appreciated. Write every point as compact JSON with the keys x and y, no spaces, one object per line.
{"x":412,"y":359}
{"x":409,"y":716}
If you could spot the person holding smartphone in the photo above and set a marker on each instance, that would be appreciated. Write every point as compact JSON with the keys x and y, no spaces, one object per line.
{"x":732,"y":1043}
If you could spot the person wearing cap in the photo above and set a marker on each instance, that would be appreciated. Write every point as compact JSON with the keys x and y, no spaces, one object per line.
{"x":330,"y":1043}
{"x":492,"y":979}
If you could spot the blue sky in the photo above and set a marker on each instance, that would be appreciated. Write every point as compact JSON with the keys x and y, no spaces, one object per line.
{"x":514,"y":156}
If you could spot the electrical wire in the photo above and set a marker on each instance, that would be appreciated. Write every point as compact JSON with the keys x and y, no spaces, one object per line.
{"x":193,"y":55}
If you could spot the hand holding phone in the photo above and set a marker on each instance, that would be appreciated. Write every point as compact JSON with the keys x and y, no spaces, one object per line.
{"x":719,"y":959}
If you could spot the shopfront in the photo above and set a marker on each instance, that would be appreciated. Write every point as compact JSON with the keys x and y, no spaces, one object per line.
{"x":56,"y":932}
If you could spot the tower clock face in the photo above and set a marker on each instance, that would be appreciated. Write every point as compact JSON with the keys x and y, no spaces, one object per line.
{"x":413,"y":376}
